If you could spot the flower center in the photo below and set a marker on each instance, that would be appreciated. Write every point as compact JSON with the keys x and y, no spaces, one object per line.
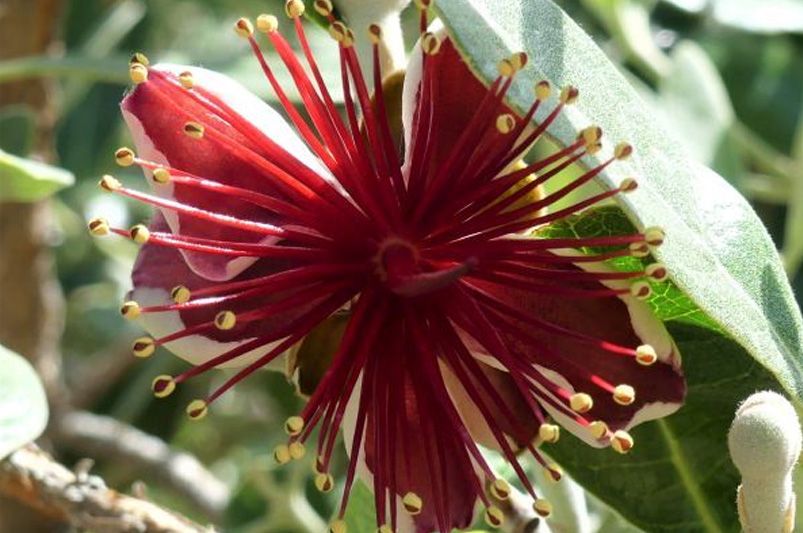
{"x":403,"y":270}
{"x":398,"y":259}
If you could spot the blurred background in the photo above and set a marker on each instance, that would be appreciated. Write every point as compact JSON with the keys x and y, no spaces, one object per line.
{"x":724,"y":76}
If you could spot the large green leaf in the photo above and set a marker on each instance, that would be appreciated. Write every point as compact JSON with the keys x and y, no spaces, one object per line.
{"x":25,"y":180}
{"x":23,"y":406}
{"x":729,"y":305}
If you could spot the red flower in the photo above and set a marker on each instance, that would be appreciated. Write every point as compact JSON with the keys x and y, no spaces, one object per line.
{"x":464,"y":325}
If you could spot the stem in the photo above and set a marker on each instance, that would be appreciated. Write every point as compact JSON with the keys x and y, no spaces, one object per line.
{"x":79,"y":67}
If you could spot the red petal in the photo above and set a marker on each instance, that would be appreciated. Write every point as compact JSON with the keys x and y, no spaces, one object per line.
{"x":157,"y":125}
{"x":456,"y":95}
{"x":415,"y":448}
{"x":159,"y":269}
{"x":660,"y":388}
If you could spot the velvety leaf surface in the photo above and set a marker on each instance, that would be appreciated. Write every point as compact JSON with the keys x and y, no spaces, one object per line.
{"x":717,"y":250}
{"x":25,"y":180}
{"x":23,"y":406}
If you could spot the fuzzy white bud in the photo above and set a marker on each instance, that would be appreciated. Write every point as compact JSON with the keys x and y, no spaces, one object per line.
{"x":764,"y":442}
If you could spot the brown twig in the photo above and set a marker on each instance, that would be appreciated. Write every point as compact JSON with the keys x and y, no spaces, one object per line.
{"x":32,"y":477}
{"x":102,"y":437}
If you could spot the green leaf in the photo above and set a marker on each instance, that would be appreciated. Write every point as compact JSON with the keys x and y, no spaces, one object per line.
{"x":694,"y":103}
{"x":25,"y":180}
{"x":23,"y":405}
{"x":360,"y":517}
{"x":733,"y":311}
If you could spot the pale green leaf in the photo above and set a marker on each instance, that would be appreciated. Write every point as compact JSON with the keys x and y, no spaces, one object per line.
{"x":25,"y":180}
{"x":23,"y":405}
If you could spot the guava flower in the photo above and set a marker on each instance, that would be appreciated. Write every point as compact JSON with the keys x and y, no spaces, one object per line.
{"x":467,"y":324}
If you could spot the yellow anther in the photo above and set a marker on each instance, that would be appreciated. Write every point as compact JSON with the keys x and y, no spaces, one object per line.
{"x":423,"y":5}
{"x":243,"y":28}
{"x":430,"y":43}
{"x":225,"y":320}
{"x":338,"y":526}
{"x":519,"y":60}
{"x":592,"y":149}
{"x":657,"y":272}
{"x":624,"y":394}
{"x":281,"y":454}
{"x":294,"y":8}
{"x":98,"y":227}
{"x":628,"y":185}
{"x":641,"y":290}
{"x":412,"y":503}
{"x":124,"y":157}
{"x":654,"y":236}
{"x":138,"y":73}
{"x":569,"y":94}
{"x":500,"y":489}
{"x":294,"y":425}
{"x":143,"y":347}
{"x":646,"y":355}
{"x":374,"y":33}
{"x":549,"y":433}
{"x":324,"y":482}
{"x":506,"y":68}
{"x":542,"y":507}
{"x":139,"y":233}
{"x":163,"y":386}
{"x":338,"y":31}
{"x":494,"y":516}
{"x":639,"y":249}
{"x":197,"y":409}
{"x":598,"y":429}
{"x":267,"y":23}
{"x":139,"y":57}
{"x":186,"y":79}
{"x":194,"y":130}
{"x":109,"y":183}
{"x":161,"y":175}
{"x":542,"y":90}
{"x":581,"y":402}
{"x":622,"y":151}
{"x":130,"y":309}
{"x":621,"y":441}
{"x":384,"y":528}
{"x":323,"y":7}
{"x":297,"y":450}
{"x":505,"y":123}
{"x":180,"y":294}
{"x":591,"y":134}
{"x":555,"y":472}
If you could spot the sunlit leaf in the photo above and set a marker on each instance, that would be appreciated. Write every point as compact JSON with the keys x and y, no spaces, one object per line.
{"x":23,"y":405}
{"x":25,"y":180}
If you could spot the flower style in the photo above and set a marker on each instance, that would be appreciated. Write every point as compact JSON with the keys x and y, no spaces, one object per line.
{"x":466,"y":324}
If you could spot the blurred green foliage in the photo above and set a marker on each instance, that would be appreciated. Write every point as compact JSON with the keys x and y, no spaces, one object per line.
{"x":732,"y":92}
